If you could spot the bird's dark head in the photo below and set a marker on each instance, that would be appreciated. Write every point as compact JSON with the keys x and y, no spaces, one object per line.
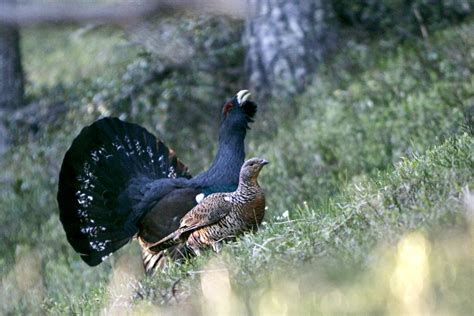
{"x":239,"y":111}
{"x":251,"y":169}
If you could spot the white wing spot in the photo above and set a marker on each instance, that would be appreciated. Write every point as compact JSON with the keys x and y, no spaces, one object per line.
{"x":199,"y":198}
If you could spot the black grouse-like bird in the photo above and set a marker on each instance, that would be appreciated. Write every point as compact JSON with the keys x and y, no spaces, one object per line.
{"x":221,"y":216}
{"x":118,"y":181}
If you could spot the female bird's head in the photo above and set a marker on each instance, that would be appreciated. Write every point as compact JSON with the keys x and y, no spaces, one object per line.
{"x":251,"y":169}
{"x":239,"y":111}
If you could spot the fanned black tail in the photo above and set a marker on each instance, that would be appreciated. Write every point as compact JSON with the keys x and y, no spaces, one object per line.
{"x":104,"y":185}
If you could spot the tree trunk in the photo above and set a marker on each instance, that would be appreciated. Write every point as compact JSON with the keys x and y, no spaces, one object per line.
{"x":11,"y":72}
{"x":11,"y":77}
{"x":286,"y":41}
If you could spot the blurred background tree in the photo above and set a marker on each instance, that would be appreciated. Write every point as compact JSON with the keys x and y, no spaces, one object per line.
{"x":11,"y":74}
{"x":285,"y":43}
{"x":11,"y":83}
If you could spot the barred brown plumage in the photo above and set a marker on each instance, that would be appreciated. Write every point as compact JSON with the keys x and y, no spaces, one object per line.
{"x":221,"y":216}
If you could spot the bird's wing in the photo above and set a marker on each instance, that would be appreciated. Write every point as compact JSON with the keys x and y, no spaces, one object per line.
{"x":212,"y":209}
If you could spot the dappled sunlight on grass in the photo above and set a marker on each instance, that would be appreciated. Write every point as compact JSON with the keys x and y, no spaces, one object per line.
{"x":408,"y":282}
{"x":403,"y":280}
{"x":24,"y":280}
{"x":217,"y":295}
{"x":409,"y":278}
{"x":126,"y":272}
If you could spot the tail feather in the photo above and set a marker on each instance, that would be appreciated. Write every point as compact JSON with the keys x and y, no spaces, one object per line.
{"x":108,"y":179}
{"x":166,"y":242}
{"x":156,"y":260}
{"x":153,"y":262}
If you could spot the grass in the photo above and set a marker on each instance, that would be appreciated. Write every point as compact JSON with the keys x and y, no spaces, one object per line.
{"x":369,"y":189}
{"x":372,"y":106}
{"x":365,"y":249}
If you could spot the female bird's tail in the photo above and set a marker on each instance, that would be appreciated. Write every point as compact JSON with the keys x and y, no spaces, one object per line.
{"x":103,"y":185}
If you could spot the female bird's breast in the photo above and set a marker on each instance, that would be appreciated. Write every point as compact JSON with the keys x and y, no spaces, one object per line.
{"x":254,"y":211}
{"x":244,"y":216}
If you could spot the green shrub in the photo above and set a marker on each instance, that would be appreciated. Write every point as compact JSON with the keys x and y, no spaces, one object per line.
{"x":404,"y":18}
{"x":405,"y":102}
{"x":335,"y":245}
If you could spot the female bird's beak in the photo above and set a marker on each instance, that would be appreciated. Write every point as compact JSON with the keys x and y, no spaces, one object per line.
{"x":264,"y":162}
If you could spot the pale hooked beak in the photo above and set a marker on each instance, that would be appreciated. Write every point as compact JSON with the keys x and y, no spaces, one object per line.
{"x":264,"y":162}
{"x":242,"y":96}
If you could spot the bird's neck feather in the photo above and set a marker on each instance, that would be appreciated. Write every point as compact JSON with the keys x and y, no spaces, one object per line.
{"x":247,"y":184}
{"x":229,"y":158}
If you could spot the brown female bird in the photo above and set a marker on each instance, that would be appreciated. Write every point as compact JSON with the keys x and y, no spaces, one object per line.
{"x":221,"y":216}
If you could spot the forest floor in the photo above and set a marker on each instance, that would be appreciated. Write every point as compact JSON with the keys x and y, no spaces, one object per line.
{"x":370,"y":190}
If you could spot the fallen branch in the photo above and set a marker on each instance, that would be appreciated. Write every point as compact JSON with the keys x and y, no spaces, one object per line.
{"x":419,"y":19}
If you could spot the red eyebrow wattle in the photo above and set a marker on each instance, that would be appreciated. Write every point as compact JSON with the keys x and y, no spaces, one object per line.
{"x":227,"y":108}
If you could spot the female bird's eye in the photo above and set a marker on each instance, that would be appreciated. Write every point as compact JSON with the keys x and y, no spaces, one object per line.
{"x":227,"y":108}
